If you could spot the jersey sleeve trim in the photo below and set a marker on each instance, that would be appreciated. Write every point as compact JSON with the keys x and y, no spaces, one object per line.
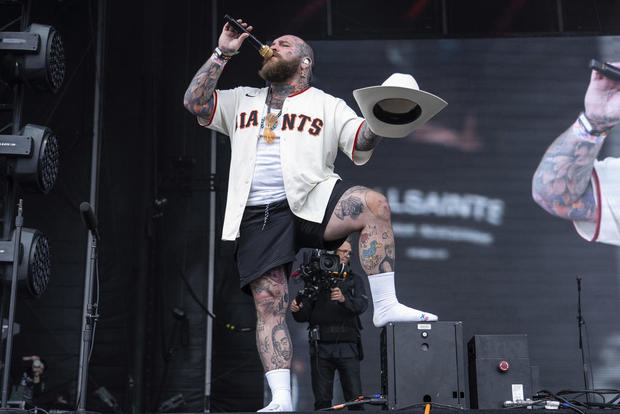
{"x":585,"y":232}
{"x":355,"y":144}
{"x":201,"y":119}
{"x":598,"y":205}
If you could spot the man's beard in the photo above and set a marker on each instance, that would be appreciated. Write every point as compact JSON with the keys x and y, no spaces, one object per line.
{"x":279,"y":70}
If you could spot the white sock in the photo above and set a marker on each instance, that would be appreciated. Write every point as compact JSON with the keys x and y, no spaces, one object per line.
{"x":386,"y":306}
{"x":280,"y":384}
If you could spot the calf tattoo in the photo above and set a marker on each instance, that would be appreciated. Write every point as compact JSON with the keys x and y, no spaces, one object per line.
{"x":387,"y":264}
{"x":281,"y":345}
{"x":272,"y":336}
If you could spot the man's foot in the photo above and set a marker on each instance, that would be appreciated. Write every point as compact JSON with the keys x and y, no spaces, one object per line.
{"x":277,"y":406}
{"x":280,"y":384}
{"x":397,"y":312}
{"x":387,"y":307}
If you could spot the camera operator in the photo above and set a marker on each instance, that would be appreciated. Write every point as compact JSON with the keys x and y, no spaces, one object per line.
{"x":334,"y":333}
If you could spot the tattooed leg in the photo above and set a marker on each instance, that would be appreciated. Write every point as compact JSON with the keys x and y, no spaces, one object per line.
{"x":273,"y":340}
{"x":376,"y":244}
{"x":365,"y":210}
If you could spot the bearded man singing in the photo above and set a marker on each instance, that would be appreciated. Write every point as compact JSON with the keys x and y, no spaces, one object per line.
{"x":283,"y":193}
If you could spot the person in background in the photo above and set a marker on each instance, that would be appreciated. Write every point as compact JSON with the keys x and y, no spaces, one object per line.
{"x":334,"y":334}
{"x":30,"y":385}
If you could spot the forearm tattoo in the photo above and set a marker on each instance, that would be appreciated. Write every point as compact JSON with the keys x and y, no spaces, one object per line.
{"x":199,"y":94}
{"x":366,"y":139}
{"x":561,"y":184}
{"x":273,"y":340}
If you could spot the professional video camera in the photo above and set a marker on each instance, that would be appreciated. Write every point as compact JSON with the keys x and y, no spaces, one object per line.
{"x":320,"y":270}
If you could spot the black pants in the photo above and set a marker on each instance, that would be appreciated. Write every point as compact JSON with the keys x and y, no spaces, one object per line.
{"x":323,"y":371}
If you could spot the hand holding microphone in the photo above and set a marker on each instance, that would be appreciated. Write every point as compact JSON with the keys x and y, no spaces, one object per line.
{"x":602,"y":100}
{"x":233,"y":35}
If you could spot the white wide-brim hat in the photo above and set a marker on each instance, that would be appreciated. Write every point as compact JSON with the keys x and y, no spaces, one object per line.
{"x":398,"y":106}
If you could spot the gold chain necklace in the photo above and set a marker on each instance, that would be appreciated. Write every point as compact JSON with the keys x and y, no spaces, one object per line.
{"x":269,"y":122}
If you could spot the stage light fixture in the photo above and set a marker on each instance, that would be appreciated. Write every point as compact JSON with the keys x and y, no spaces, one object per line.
{"x":37,"y":156}
{"x":35,"y":56}
{"x":39,"y":170}
{"x":35,"y":266}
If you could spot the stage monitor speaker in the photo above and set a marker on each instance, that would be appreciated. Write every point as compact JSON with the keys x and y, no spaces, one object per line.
{"x":423,"y":362}
{"x":499,"y":370}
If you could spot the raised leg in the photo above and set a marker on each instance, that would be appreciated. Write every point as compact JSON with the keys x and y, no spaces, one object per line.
{"x":367,"y":211}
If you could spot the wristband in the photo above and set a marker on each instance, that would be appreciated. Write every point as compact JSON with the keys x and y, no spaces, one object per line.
{"x":220,"y":55}
{"x":585,"y":131}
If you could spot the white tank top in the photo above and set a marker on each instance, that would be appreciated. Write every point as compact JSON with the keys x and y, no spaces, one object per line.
{"x":267,"y":183}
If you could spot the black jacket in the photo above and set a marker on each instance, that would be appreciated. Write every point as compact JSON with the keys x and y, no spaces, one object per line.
{"x":337,"y":321}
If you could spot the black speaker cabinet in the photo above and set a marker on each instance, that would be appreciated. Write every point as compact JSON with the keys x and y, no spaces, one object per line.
{"x":499,"y":370}
{"x":423,"y":362}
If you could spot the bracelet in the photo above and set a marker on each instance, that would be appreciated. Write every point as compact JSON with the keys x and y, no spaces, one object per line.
{"x":584,"y":130}
{"x":220,"y":55}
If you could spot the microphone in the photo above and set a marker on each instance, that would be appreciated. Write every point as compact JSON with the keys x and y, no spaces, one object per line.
{"x":89,"y":219}
{"x":610,"y":71}
{"x":264,"y":50}
{"x":578,"y":283}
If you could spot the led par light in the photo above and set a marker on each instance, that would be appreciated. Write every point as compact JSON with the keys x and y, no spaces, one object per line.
{"x":37,"y":157}
{"x":35,"y":56}
{"x":35,"y":265}
{"x":38,"y":171}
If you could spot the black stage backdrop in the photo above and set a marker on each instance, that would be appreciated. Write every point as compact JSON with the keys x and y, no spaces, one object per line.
{"x":471,"y":245}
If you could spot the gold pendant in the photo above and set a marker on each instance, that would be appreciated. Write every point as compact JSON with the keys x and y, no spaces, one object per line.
{"x":268,"y":135}
{"x":271,"y":120}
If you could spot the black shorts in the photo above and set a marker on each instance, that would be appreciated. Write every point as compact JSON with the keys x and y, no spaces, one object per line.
{"x":271,"y":235}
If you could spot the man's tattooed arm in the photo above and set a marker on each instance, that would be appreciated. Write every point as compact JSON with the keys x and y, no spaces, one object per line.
{"x":366,"y":139}
{"x":561,"y":184}
{"x":199,"y":94}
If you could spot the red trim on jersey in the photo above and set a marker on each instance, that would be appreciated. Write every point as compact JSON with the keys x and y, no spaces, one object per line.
{"x":598,"y":205}
{"x":355,"y":142}
{"x":212,"y":112}
{"x":301,"y":91}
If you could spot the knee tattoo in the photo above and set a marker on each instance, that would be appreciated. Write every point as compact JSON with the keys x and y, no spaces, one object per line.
{"x":378,"y":205}
{"x":270,"y":295}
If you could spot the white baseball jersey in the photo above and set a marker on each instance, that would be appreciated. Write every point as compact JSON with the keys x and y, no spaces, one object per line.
{"x":314,"y":126}
{"x":606,"y":186}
